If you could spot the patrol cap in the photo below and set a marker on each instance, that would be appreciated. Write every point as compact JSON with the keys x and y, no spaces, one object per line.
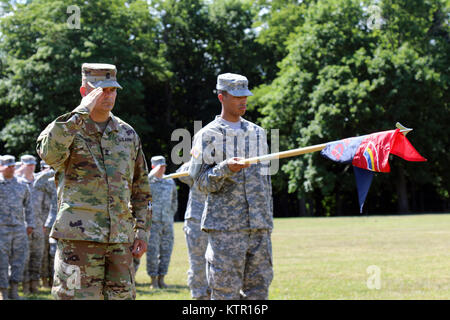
{"x":101,"y":75}
{"x":158,"y":161}
{"x":8,"y":160}
{"x":234,"y":84}
{"x":28,"y":159}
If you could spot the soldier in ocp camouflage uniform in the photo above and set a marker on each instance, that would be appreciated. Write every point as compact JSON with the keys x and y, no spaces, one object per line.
{"x":196,"y":239}
{"x":238,"y":211}
{"x":103,"y":193}
{"x":16,"y":222}
{"x":45,"y":204}
{"x":164,"y":207}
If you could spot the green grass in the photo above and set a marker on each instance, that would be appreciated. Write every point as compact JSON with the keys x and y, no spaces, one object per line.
{"x":327,"y":258}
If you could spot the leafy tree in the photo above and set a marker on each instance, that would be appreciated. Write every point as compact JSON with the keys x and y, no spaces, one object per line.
{"x":42,"y":57}
{"x":342,"y":79}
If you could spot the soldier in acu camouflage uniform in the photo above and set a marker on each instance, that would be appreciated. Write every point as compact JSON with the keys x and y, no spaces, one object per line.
{"x":45,"y":204}
{"x":16,"y":222}
{"x":103,"y":193}
{"x":196,"y":239}
{"x":36,"y":240}
{"x":238,"y":213}
{"x":164,"y":207}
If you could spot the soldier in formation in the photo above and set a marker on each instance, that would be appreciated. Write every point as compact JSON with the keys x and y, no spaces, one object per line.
{"x":238,"y":214}
{"x":36,"y":240}
{"x":196,"y":239}
{"x":164,"y":207}
{"x":45,"y":206}
{"x":17,"y":221}
{"x":103,"y":193}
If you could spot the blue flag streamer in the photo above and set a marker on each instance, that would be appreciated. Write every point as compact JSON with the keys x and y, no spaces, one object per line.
{"x":363,"y":181}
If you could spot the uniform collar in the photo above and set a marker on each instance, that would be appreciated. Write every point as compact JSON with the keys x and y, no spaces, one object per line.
{"x":220,"y":120}
{"x":113,"y":125}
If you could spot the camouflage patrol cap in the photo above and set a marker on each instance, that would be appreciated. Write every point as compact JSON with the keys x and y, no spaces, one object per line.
{"x":28,"y":159}
{"x":8,"y":160}
{"x":101,"y":75}
{"x":158,"y":161}
{"x":234,"y":84}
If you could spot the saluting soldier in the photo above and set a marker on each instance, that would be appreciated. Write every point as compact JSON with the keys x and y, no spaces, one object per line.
{"x":238,"y":214}
{"x":103,"y":193}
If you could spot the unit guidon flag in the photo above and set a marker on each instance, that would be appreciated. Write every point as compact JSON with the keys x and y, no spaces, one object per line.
{"x":369,"y":154}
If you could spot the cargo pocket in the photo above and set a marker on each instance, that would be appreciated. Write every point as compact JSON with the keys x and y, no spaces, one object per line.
{"x":67,"y":279}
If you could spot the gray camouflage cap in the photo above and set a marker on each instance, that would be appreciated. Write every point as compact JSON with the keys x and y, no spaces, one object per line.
{"x":234,"y":84}
{"x":8,"y":160}
{"x":28,"y":159}
{"x":158,"y":161}
{"x":101,"y":75}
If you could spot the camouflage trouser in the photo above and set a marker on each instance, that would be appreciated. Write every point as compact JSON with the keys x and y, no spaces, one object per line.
{"x":239,"y":260}
{"x":36,"y":244}
{"x":13,"y":252}
{"x":197,"y":241}
{"x":95,"y":271}
{"x":136,"y":263}
{"x":160,"y":247}
{"x":47,"y":258}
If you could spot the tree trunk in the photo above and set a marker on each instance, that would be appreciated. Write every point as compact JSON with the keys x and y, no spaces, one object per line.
{"x":402,"y":204}
{"x":302,"y":208}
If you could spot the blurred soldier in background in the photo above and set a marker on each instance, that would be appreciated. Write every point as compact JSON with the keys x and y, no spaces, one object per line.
{"x":33,"y":263}
{"x":45,"y":205}
{"x":164,"y":207}
{"x":16,"y":222}
{"x":196,"y":239}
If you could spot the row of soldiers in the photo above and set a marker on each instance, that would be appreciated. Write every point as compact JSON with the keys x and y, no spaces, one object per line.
{"x":28,"y":212}
{"x":35,"y":253}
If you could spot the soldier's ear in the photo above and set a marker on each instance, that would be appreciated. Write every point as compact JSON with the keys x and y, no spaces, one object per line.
{"x":83,"y":91}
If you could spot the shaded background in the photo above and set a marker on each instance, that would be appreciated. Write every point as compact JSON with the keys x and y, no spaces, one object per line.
{"x":320,"y":71}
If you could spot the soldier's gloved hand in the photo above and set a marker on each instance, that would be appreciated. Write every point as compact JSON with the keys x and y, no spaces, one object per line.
{"x":89,"y":101}
{"x":29,"y":230}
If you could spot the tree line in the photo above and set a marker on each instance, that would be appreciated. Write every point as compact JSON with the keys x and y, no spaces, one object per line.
{"x":320,"y":71}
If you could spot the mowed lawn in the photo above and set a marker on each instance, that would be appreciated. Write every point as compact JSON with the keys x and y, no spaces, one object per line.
{"x":408,"y":257}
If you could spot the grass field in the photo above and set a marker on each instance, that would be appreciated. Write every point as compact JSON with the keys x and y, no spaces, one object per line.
{"x":328,"y":258}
